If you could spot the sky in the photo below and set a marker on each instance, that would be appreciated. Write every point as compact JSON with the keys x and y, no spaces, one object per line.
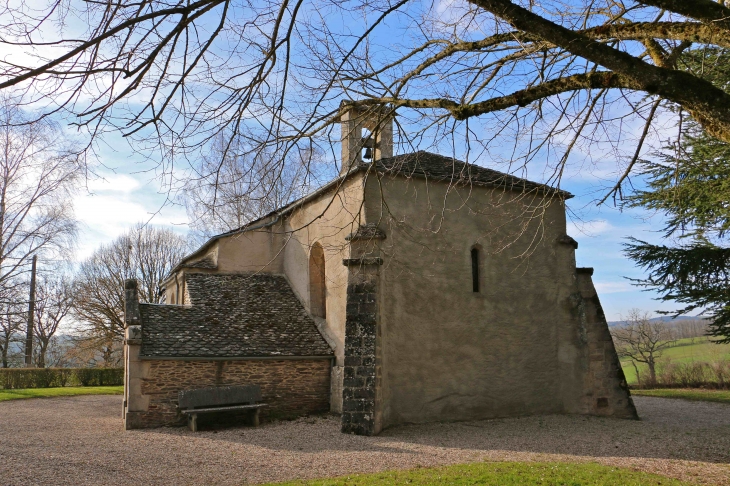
{"x":128,"y":194}
{"x":601,"y":233}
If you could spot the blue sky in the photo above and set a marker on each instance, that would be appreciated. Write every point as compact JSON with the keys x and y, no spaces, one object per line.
{"x":600,"y":235}
{"x":130,"y":192}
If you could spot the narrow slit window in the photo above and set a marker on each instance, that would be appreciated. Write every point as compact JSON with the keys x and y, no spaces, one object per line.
{"x":475,"y":269}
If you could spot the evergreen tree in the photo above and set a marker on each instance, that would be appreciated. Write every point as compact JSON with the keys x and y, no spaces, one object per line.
{"x":691,"y":186}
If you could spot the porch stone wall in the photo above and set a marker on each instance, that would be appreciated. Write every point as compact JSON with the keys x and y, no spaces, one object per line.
{"x":290,"y":388}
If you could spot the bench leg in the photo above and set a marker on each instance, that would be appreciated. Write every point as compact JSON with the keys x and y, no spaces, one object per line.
{"x":255,"y":418}
{"x":193,"y":422}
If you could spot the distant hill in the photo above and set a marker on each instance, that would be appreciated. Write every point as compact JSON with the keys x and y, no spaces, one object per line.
{"x":668,"y":319}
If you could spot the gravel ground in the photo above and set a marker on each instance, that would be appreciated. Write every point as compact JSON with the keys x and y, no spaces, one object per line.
{"x":79,"y":440}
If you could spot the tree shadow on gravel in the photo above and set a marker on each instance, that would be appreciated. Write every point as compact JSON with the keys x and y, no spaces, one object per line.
{"x":669,"y":429}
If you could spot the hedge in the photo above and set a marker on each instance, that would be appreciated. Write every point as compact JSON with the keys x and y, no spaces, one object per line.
{"x":56,"y":377}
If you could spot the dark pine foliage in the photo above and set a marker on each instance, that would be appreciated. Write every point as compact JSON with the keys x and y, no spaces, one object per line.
{"x":697,"y":276}
{"x":690,"y":184}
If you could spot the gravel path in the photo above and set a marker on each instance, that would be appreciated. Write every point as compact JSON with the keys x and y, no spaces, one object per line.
{"x":79,"y":440}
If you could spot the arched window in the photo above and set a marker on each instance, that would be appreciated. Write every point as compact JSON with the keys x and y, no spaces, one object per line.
{"x":475,"y":269}
{"x":317,"y":285}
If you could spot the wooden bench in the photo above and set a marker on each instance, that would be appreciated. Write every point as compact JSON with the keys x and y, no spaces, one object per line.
{"x":220,"y":399}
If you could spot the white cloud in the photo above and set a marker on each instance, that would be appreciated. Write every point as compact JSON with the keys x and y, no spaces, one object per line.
{"x":613,"y":287}
{"x":115,"y":204}
{"x":114,"y":183}
{"x":589,"y":228}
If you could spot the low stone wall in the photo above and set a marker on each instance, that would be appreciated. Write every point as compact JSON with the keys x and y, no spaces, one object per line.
{"x":290,"y":388}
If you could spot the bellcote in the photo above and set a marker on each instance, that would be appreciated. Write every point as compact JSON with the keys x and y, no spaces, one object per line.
{"x":365,"y":128}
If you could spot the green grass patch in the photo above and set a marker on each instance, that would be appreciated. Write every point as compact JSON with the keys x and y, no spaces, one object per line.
{"x":720,"y":396}
{"x":683,"y":351}
{"x":68,"y":391}
{"x":504,"y":474}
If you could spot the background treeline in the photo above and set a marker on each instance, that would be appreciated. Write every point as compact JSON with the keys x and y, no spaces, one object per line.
{"x":78,"y":306}
{"x":657,"y":353}
{"x":57,"y":377}
{"x":79,"y":313}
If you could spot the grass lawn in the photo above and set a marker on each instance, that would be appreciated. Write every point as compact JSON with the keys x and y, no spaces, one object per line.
{"x":683,"y":351}
{"x":59,"y":392}
{"x":721,"y":396}
{"x":504,"y":473}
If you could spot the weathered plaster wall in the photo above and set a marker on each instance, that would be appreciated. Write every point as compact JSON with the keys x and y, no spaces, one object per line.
{"x":449,"y":353}
{"x":327,"y":220}
{"x":252,"y":251}
{"x":290,"y":387}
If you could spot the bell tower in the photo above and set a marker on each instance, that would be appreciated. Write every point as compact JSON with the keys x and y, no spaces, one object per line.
{"x":365,"y":128}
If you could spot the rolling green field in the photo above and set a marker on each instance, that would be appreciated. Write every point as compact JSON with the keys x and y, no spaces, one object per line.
{"x":719,"y":396}
{"x":67,"y":391}
{"x":684,"y":351}
{"x":503,"y":474}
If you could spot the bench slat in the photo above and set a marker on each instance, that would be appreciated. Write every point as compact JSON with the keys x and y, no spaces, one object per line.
{"x":219,"y":396}
{"x":221,"y":409}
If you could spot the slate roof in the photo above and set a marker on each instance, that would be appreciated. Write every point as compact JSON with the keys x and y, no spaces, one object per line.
{"x":440,"y":168}
{"x":231,"y":316}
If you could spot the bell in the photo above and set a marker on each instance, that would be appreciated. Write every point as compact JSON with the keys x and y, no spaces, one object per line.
{"x":368,"y":153}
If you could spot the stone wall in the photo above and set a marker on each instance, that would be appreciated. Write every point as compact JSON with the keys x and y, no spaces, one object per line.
{"x":605,"y":389}
{"x":518,"y":346}
{"x":359,"y":387}
{"x":291,"y":388}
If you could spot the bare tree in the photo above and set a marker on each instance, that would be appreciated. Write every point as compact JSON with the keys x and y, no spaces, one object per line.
{"x":147,"y":253}
{"x":38,"y":170}
{"x":53,"y":305}
{"x":514,"y":79}
{"x":642,"y":340}
{"x":232,"y":186}
{"x":12,"y":322}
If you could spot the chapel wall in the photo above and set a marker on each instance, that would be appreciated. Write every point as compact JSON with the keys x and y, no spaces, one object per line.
{"x":446,"y":352}
{"x":326,"y":220}
{"x":290,"y":388}
{"x":252,"y":251}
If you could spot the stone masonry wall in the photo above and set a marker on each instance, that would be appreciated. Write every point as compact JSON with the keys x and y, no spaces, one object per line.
{"x":290,"y":387}
{"x":359,"y":382}
{"x":606,"y":390}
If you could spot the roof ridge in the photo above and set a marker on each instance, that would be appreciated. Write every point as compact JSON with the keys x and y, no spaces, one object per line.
{"x":435,"y":172}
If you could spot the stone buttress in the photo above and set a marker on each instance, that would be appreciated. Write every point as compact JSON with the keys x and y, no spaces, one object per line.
{"x":361,"y":400}
{"x":606,"y":392}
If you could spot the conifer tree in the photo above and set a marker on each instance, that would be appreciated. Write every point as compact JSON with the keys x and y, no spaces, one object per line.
{"x":690,"y":184}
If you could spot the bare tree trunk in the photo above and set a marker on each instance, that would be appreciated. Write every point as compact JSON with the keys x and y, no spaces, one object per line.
{"x":42,"y":348}
{"x":107,"y":355}
{"x":652,"y":371}
{"x":638,"y":375}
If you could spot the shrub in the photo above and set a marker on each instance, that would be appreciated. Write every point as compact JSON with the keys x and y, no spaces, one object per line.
{"x":57,"y":377}
{"x":721,"y":371}
{"x":695,"y":374}
{"x":100,"y":376}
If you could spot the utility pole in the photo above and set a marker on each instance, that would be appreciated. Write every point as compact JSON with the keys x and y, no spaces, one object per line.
{"x":31,"y":316}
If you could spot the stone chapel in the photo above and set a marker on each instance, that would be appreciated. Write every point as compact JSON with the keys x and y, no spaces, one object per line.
{"x":412,"y":288}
